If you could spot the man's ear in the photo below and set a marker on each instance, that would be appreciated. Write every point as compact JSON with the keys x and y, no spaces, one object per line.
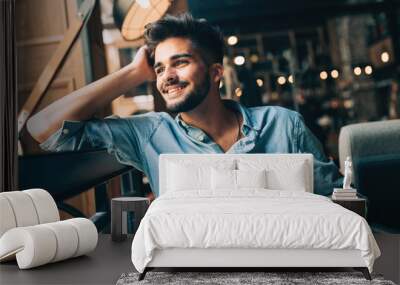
{"x":217,"y":72}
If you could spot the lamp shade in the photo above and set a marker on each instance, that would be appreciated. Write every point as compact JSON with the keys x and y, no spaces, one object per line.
{"x":131,"y":16}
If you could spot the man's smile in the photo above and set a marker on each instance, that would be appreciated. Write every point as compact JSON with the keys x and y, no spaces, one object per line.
{"x":174,"y":90}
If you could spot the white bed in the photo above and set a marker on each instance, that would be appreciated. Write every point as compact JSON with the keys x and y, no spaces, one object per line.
{"x":202,"y":220}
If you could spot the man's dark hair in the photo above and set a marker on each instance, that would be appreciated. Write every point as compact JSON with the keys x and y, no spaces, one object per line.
{"x":207,"y":39}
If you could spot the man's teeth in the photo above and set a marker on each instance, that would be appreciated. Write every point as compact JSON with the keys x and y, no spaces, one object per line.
{"x":174,"y":89}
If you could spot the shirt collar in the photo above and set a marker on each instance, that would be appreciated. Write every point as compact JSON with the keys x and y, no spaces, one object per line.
{"x":192,"y":131}
{"x":248,"y":121}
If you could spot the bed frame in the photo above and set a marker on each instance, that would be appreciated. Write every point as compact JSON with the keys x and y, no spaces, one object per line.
{"x":256,"y":258}
{"x":251,"y":258}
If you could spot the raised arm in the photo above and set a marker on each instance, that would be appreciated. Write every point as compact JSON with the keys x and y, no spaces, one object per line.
{"x":83,"y":103}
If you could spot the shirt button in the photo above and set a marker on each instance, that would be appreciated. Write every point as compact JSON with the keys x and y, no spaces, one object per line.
{"x":65,"y":131}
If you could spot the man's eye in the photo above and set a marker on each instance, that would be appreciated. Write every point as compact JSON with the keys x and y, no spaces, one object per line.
{"x":159,"y":70}
{"x":180,"y":62}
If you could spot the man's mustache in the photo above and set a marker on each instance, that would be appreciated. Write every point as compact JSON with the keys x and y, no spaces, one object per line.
{"x":174,"y":83}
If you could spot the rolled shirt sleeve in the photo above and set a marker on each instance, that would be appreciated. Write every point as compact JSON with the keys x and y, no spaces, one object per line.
{"x":326,"y":174}
{"x":122,"y":137}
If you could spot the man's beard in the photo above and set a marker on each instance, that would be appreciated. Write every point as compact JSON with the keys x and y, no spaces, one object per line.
{"x":192,"y":99}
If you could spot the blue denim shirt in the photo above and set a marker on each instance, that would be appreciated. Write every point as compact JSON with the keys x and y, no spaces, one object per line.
{"x":139,"y":140}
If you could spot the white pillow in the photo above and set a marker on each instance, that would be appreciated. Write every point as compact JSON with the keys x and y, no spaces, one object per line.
{"x":223,"y":179}
{"x":238,"y":179}
{"x":292,"y":179}
{"x":193,"y":175}
{"x":251,"y":178}
{"x":282,"y":174}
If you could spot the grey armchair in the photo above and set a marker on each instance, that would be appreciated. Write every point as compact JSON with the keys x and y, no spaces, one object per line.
{"x":374,"y":148}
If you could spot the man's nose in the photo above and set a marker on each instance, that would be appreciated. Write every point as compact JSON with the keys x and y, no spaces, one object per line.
{"x":170,"y":76}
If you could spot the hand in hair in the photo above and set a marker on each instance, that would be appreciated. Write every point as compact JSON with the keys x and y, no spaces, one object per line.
{"x":141,"y":62}
{"x":81,"y":104}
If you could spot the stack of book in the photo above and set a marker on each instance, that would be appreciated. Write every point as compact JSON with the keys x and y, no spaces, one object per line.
{"x":344,"y":194}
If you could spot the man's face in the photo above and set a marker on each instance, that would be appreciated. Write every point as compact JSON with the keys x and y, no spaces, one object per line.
{"x":182,"y":76}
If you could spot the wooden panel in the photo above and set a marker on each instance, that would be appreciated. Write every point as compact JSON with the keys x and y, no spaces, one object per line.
{"x":40,"y":18}
{"x":57,"y":89}
{"x":41,"y":25}
{"x":33,"y":59}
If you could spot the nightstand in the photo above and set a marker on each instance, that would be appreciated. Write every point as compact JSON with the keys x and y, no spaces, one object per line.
{"x":137,"y":205}
{"x":357,"y":205}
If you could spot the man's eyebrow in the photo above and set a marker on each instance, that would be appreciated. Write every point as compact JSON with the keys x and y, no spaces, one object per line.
{"x":179,"y":55}
{"x":175,"y":56}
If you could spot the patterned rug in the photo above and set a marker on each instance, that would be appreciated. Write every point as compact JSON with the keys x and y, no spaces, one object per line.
{"x":242,"y":278}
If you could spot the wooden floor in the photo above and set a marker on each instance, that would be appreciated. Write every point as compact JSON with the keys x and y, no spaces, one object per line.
{"x":110,"y":260}
{"x":102,"y":266}
{"x":389,"y":262}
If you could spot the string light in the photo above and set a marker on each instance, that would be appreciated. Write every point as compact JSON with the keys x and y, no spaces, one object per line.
{"x":260,"y":82}
{"x":232,"y":40}
{"x":348,"y":104}
{"x":254,"y":58}
{"x":323,"y":75}
{"x":239,"y":60}
{"x":290,"y":79}
{"x":368,"y":69}
{"x":385,"y":57}
{"x":335,"y":73}
{"x":357,"y":70}
{"x":281,"y":80}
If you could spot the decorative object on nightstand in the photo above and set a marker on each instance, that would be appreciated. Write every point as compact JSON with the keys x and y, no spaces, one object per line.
{"x":347,"y":192}
{"x":344,"y":194}
{"x":347,"y":196}
{"x":137,"y":205}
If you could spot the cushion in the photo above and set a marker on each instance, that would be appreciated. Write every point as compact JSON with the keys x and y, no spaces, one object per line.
{"x":66,"y":237}
{"x":45,"y":205}
{"x":285,"y":174}
{"x":40,"y":244}
{"x":7,"y":220}
{"x":26,"y":208}
{"x":238,"y":179}
{"x":251,"y":178}
{"x":193,"y":175}
{"x":292,"y":179}
{"x":24,"y":211}
{"x":223,"y":179}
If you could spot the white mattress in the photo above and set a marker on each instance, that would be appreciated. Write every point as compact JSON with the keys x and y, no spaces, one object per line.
{"x":252,"y":218}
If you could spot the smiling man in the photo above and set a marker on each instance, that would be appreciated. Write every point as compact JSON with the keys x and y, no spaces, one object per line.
{"x":184,"y":56}
{"x":180,"y":95}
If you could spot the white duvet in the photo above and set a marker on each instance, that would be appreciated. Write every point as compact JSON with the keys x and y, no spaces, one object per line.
{"x":253,"y":218}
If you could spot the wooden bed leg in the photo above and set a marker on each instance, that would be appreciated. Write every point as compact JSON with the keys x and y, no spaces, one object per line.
{"x":364,"y":271}
{"x":143,"y":274}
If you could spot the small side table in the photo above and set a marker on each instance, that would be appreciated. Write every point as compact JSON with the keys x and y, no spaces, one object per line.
{"x":357,"y":205}
{"x":137,"y":205}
